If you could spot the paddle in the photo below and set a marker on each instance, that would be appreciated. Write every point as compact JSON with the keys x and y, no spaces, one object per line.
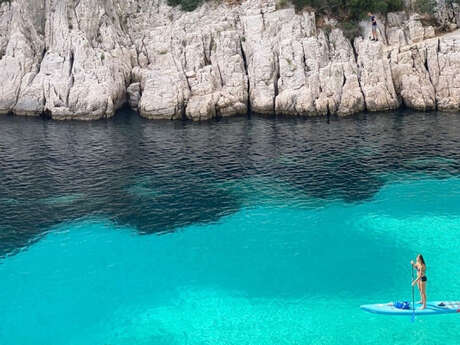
{"x":413,"y":295}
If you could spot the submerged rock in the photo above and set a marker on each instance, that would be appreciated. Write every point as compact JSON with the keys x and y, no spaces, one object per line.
{"x":84,"y":60}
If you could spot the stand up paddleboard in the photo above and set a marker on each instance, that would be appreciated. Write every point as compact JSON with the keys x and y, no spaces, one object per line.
{"x":432,"y":308}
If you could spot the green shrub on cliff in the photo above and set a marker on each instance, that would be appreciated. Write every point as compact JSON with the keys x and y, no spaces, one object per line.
{"x":281,"y":4}
{"x":429,"y":6}
{"x":350,"y":9}
{"x":425,"y":6}
{"x":351,"y":29}
{"x":344,"y":9}
{"x":186,"y":5}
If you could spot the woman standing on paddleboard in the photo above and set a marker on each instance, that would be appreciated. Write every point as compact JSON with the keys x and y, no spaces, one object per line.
{"x":420,"y":266}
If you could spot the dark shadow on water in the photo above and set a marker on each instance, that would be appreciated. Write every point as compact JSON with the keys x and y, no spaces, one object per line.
{"x":158,"y":176}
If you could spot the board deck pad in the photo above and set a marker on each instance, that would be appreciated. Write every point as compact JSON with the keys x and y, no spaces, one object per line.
{"x":432,"y":308}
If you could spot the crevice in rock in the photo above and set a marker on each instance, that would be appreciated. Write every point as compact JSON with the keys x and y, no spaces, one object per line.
{"x":245,"y":65}
{"x":71,"y":61}
{"x":44,"y":96}
{"x":221,"y":80}
{"x":142,"y":50}
{"x":18,"y":92}
{"x":396,"y":86}
{"x":179,"y":67}
{"x":361,"y":88}
{"x":207,"y":60}
{"x":44,"y":51}
{"x":431,"y":79}
{"x":71,"y":77}
{"x":182,"y":111}
{"x":437,"y":56}
{"x":355,"y":52}
{"x":386,"y":27}
{"x":406,"y":36}
{"x":306,"y":69}
{"x":70,"y":88}
{"x":277,"y":76}
{"x":426,"y":64}
{"x":217,"y":113}
{"x":263,"y":21}
{"x":46,"y":114}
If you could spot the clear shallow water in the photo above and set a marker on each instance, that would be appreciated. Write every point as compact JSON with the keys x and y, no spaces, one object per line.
{"x":257,"y":231}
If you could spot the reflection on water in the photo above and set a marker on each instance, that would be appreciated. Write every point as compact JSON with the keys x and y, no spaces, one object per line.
{"x":158,"y":176}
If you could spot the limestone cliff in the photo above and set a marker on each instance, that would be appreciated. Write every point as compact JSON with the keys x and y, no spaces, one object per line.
{"x":84,"y":59}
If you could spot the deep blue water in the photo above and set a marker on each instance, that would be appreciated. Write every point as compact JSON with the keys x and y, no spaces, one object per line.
{"x":240,"y":231}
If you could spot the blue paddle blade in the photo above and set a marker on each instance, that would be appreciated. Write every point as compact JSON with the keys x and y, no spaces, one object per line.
{"x":412,"y":318}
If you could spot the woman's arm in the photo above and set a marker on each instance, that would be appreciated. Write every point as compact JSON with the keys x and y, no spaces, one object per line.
{"x":415,"y":265}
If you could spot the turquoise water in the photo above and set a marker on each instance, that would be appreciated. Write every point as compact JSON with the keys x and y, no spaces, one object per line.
{"x":244,"y":231}
{"x":283,"y":269}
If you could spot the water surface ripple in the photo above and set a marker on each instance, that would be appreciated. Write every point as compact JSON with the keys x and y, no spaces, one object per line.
{"x":159,"y":176}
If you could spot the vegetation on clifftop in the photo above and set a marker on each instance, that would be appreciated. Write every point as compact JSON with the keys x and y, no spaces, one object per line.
{"x":186,"y":5}
{"x":350,"y":9}
{"x":353,"y":9}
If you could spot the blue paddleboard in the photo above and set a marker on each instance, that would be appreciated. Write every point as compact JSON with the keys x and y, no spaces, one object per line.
{"x":432,"y":308}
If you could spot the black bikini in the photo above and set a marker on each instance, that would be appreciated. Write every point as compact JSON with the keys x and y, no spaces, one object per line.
{"x":424,"y":278}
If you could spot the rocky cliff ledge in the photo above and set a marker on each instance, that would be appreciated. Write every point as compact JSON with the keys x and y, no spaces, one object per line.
{"x":84,"y":59}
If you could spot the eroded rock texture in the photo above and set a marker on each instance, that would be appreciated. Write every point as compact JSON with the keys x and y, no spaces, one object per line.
{"x":84,"y":59}
{"x":63,"y":58}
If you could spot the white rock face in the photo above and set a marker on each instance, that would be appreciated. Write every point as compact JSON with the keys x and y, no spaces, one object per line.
{"x":73,"y":64}
{"x":375,"y":78}
{"x":412,"y":79}
{"x":444,"y":57}
{"x":85,"y":59}
{"x":20,"y":54}
{"x":395,"y":30}
{"x":317,"y":75}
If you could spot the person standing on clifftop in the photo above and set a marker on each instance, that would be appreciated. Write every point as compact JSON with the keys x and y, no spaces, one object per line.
{"x":374,"y":27}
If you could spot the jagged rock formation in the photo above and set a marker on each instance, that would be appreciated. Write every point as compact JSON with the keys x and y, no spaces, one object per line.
{"x":84,"y":59}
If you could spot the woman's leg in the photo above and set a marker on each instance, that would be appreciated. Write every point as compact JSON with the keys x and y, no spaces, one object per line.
{"x":423,"y":293}
{"x":419,"y":285}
